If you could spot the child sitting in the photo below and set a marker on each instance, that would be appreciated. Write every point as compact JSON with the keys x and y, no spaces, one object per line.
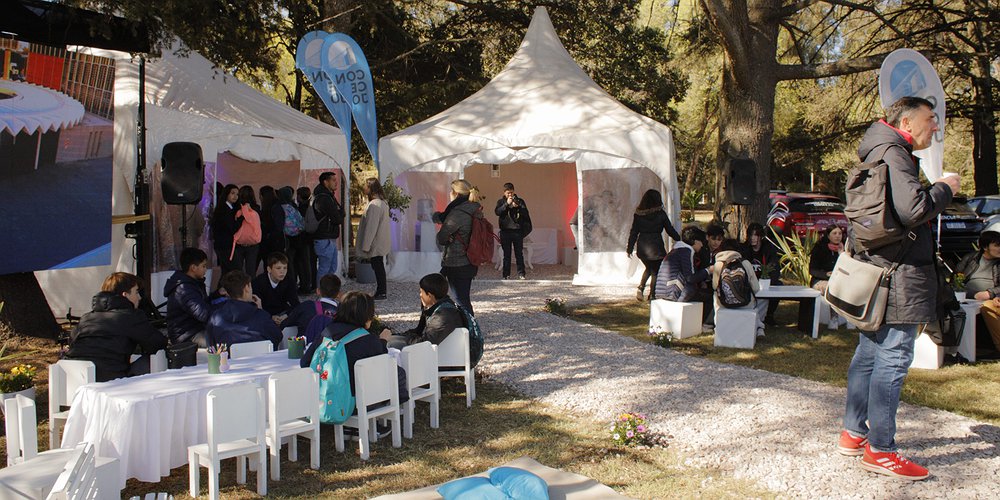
{"x":239,"y":317}
{"x":438,"y":315}
{"x":275,"y":289}
{"x":302,"y":315}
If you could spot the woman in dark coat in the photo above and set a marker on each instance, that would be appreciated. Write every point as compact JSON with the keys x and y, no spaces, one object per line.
{"x":456,"y":228}
{"x":224,"y":226}
{"x":109,"y":334}
{"x":646,"y":238}
{"x":824,"y":256}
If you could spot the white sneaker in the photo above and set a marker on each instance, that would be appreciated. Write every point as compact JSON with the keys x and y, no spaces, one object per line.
{"x":760,"y":332}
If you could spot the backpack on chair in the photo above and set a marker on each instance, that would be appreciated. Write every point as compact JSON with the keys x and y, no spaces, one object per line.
{"x":734,"y":288}
{"x":337,"y":403}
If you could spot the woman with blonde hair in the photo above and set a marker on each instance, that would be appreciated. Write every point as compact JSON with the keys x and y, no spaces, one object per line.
{"x":372,"y":240}
{"x":456,"y":229}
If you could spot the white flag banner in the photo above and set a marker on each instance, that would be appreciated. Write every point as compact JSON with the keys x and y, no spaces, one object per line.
{"x":905,"y":72}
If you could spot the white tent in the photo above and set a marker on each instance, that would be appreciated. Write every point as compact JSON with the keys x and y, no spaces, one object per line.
{"x":542,"y":112}
{"x":188,"y":99}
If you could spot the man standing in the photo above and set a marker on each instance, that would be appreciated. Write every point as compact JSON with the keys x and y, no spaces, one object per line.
{"x":330,"y":214}
{"x":880,"y":363}
{"x":515,"y":224}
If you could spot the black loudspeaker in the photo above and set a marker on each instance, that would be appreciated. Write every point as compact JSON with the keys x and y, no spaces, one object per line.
{"x":182,"y":173}
{"x":741,"y":181}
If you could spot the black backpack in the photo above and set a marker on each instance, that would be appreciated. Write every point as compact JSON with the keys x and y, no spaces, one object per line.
{"x":947,"y":330}
{"x":869,"y":204}
{"x":734,"y":285}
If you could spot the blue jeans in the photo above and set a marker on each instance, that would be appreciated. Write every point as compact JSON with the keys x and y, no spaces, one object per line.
{"x":326,"y":258}
{"x":874,"y":382}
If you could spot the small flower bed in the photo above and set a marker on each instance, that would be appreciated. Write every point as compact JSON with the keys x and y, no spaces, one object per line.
{"x":629,"y":429}
{"x":19,"y":378}
{"x":556,"y":306}
{"x":661,"y":337}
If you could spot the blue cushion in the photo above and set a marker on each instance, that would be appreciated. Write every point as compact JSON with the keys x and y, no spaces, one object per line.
{"x":471,"y":488}
{"x":519,"y":484}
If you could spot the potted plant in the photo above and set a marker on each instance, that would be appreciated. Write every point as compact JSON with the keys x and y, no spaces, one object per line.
{"x":18,"y":380}
{"x":765,"y":272}
{"x":958,"y":283}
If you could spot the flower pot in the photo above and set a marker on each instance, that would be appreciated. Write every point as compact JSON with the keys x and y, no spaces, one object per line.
{"x":363,"y":272}
{"x":4,"y":396}
{"x":764,"y":283}
{"x":960,"y":295}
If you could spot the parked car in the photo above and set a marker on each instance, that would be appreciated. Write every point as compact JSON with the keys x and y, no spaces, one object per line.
{"x":804,"y":212}
{"x":960,"y":228}
{"x":987,"y":207}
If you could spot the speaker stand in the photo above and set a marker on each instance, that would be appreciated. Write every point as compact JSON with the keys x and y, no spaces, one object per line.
{"x":184,"y":227}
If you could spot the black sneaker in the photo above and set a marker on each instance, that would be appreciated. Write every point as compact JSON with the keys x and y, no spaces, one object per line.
{"x":383,"y":430}
{"x":506,"y":277}
{"x":380,"y":296}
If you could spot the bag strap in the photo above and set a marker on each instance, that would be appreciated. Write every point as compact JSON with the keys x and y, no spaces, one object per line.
{"x":319,"y":307}
{"x":357,"y":333}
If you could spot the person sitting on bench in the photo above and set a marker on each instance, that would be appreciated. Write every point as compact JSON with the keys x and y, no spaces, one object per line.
{"x":678,"y":280}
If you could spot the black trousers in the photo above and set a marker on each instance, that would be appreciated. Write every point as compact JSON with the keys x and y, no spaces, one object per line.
{"x":378,"y":265}
{"x":513,"y":239}
{"x":245,"y":258}
{"x":652,"y":269}
{"x":460,"y":280}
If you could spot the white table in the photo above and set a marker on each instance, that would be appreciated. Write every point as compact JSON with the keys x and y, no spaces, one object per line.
{"x":795,"y":292}
{"x":148,"y":422}
{"x":967,"y":347}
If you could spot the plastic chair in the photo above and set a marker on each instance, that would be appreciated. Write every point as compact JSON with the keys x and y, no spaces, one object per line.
{"x":79,"y":478}
{"x":154,"y":496}
{"x":22,"y":429}
{"x":235,"y":429}
{"x":422,"y":382}
{"x":292,"y":412}
{"x":250,"y":349}
{"x":65,"y":377}
{"x":375,"y":383}
{"x":454,"y":361}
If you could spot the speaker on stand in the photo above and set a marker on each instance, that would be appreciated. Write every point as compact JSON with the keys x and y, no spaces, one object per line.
{"x":182,"y":177}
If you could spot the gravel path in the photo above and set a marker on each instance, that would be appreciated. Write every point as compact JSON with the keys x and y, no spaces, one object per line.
{"x":775,"y":430}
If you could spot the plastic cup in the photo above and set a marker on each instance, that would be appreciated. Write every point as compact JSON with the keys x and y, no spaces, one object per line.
{"x":213,"y":363}
{"x":296,"y":348}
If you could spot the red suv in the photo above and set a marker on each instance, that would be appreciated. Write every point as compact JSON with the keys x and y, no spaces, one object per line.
{"x":804,"y":212}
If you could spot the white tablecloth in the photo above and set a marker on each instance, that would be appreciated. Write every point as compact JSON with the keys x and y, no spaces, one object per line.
{"x":148,"y":422}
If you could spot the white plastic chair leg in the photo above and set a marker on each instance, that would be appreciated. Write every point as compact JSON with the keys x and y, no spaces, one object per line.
{"x":261,"y":467}
{"x":293,"y":448}
{"x":194,"y":475}
{"x":241,"y":470}
{"x":213,"y":480}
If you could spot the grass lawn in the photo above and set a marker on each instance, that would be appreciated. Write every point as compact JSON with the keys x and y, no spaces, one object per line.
{"x":501,"y":426}
{"x":971,"y":390}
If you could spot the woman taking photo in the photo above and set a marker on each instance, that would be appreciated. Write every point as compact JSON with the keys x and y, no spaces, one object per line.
{"x":456,"y":228}
{"x":646,"y":238}
{"x":372,"y":240}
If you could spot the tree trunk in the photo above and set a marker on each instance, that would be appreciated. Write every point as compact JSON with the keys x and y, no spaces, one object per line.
{"x":25,"y":309}
{"x":984,"y":132}
{"x":333,"y":22}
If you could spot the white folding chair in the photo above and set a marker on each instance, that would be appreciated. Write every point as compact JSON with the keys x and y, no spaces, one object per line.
{"x":250,"y":349}
{"x":154,"y":496}
{"x":22,"y":430}
{"x":235,"y":429}
{"x":420,"y":363}
{"x":65,"y":377}
{"x":292,"y":411}
{"x":79,"y":478}
{"x":375,"y":382}
{"x":454,"y":360}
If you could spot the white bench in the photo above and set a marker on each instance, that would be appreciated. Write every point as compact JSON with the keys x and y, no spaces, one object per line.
{"x":736,"y":328}
{"x":682,"y":319}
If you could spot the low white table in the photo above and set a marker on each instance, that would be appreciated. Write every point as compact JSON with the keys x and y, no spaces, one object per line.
{"x":148,"y":422}
{"x":791,"y":292}
{"x":967,"y":347}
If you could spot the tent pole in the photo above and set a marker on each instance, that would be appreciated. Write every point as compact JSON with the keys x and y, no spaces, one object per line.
{"x":345,"y":229}
{"x":143,"y":240}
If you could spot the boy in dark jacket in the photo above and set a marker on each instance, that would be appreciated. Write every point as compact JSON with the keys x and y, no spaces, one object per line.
{"x":188,"y":304}
{"x":679,"y":279}
{"x":438,"y":315}
{"x":302,"y":314}
{"x":239,"y":318}
{"x":275,"y":288}
{"x":109,"y":334}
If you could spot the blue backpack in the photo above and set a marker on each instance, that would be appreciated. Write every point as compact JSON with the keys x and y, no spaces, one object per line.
{"x":318,"y":323}
{"x":330,"y":362}
{"x":294,"y":223}
{"x":476,"y":340}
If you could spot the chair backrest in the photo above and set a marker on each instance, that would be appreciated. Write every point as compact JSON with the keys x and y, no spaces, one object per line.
{"x":292,"y":395}
{"x":78,"y":479}
{"x":421,"y":364}
{"x":249,"y":349}
{"x":158,"y":362}
{"x":22,"y":429}
{"x":454,"y":349}
{"x":65,"y":377}
{"x":375,"y":381}
{"x":235,"y":412}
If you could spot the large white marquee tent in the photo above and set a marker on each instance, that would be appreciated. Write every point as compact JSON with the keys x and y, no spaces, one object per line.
{"x":567,"y":145}
{"x":188,"y":99}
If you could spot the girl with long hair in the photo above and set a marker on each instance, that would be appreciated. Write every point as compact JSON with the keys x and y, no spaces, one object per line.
{"x":646,"y":238}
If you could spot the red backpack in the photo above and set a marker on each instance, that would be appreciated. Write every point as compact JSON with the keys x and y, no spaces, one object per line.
{"x":249,"y":232}
{"x":481,"y":241}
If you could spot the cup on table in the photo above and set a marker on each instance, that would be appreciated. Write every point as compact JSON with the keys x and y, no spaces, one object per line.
{"x":296,"y":348}
{"x":213,"y":363}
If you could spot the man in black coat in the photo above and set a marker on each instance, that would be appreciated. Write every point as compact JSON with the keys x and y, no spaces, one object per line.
{"x":109,"y":334}
{"x":188,"y":304}
{"x":515,"y":224}
{"x":330,"y":216}
{"x":883,"y":357}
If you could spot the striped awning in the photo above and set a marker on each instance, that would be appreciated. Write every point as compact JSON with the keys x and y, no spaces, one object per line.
{"x":27,"y":108}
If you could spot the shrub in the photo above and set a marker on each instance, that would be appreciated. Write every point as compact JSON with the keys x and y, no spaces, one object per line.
{"x":629,"y":429}
{"x":19,"y":378}
{"x":556,"y":306}
{"x":795,"y":252}
{"x":660,"y":337}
